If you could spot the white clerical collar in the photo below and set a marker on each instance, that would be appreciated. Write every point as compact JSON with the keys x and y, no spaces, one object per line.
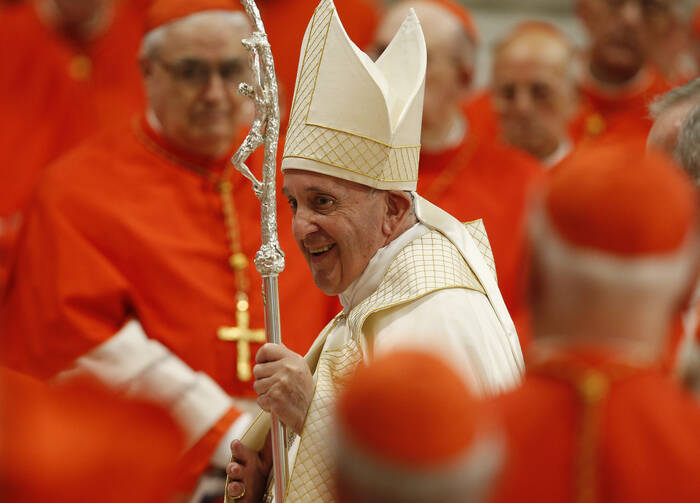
{"x":559,"y":154}
{"x":373,"y":274}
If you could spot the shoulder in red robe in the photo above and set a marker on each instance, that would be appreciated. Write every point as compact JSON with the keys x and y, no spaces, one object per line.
{"x":482,"y":178}
{"x":53,"y":94}
{"x":584,"y":425}
{"x":622,"y":114}
{"x":143,"y":236}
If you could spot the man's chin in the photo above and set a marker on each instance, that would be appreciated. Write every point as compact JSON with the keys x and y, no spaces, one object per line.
{"x":623,"y":59}
{"x":214,"y":143}
{"x":327,"y":286}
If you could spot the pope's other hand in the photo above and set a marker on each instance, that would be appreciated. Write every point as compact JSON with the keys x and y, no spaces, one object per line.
{"x":248,"y":471}
{"x":284,"y":384}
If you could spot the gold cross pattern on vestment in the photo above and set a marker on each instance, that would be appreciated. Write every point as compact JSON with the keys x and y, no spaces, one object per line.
{"x":243,"y":336}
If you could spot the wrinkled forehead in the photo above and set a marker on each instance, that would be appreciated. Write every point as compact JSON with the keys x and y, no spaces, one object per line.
{"x":207,"y":35}
{"x":535,"y":47}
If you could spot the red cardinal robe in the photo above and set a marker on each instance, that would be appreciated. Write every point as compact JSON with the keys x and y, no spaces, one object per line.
{"x":127,"y":227}
{"x":481,"y":178}
{"x":620,"y":113}
{"x":585,"y":427}
{"x":54,"y":92}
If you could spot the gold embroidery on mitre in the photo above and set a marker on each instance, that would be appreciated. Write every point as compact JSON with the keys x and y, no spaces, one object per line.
{"x":340,"y":149}
{"x":427,"y":264}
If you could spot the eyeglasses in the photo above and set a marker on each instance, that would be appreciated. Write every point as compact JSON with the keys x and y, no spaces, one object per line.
{"x":197,"y":73}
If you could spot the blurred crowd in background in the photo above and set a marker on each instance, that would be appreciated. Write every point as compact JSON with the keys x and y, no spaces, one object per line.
{"x":585,"y":121}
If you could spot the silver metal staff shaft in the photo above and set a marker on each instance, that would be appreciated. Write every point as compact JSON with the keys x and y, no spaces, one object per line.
{"x":278,"y":440}
{"x":269,"y":260}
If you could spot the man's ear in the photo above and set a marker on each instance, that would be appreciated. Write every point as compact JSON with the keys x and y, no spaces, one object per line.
{"x":398,"y":208}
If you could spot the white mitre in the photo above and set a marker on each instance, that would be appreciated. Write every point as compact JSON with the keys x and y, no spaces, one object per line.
{"x":353,"y":118}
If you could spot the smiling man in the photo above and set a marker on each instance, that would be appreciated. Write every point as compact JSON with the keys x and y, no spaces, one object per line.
{"x":407,"y":273}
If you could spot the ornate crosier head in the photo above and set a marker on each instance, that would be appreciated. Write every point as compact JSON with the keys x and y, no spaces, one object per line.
{"x":264,"y":131}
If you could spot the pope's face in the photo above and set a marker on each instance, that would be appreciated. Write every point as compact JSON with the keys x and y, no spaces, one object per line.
{"x":534,"y":99}
{"x":622,"y":31}
{"x":337,"y":225}
{"x":192,"y":84}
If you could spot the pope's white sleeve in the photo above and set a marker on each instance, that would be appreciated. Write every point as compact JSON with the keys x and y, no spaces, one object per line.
{"x":460,"y":326}
{"x":141,"y":367}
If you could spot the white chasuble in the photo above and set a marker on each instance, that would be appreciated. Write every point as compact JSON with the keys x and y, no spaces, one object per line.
{"x":432,"y":288}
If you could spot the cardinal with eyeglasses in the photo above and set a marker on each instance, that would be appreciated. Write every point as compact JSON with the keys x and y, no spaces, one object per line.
{"x":136,"y":262}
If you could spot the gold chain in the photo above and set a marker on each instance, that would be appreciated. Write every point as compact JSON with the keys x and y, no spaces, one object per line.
{"x":238,"y":260}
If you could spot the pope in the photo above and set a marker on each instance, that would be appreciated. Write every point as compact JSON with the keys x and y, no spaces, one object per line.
{"x":407,"y":273}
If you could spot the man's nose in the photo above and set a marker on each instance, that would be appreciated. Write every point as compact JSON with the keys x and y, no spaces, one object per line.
{"x":303,"y":224}
{"x":216,"y":89}
{"x":522,"y":101}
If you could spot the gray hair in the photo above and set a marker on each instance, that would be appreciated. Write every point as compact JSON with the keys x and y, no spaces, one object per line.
{"x":687,"y":150}
{"x":154,"y":39}
{"x":674,"y":97}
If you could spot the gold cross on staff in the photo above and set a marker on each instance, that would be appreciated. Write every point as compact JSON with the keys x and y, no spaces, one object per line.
{"x":243,"y":336}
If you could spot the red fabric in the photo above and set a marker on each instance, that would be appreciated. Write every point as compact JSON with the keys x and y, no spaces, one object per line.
{"x":620,"y":200}
{"x":623,"y":114}
{"x":646,"y":442}
{"x":481,"y":114}
{"x":676,"y":336}
{"x":82,"y":443}
{"x":118,"y":231}
{"x":196,"y":459}
{"x":377,"y":411}
{"x":481,"y":178}
{"x":286,"y":21}
{"x":46,"y":110}
{"x":166,"y":11}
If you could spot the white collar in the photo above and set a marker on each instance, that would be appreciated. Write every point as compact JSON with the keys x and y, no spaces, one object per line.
{"x":373,"y":274}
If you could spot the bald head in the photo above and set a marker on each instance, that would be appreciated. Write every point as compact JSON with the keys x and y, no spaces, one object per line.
{"x":534,"y":87}
{"x":451,"y":53}
{"x":538,"y":43}
{"x":440,"y":27}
